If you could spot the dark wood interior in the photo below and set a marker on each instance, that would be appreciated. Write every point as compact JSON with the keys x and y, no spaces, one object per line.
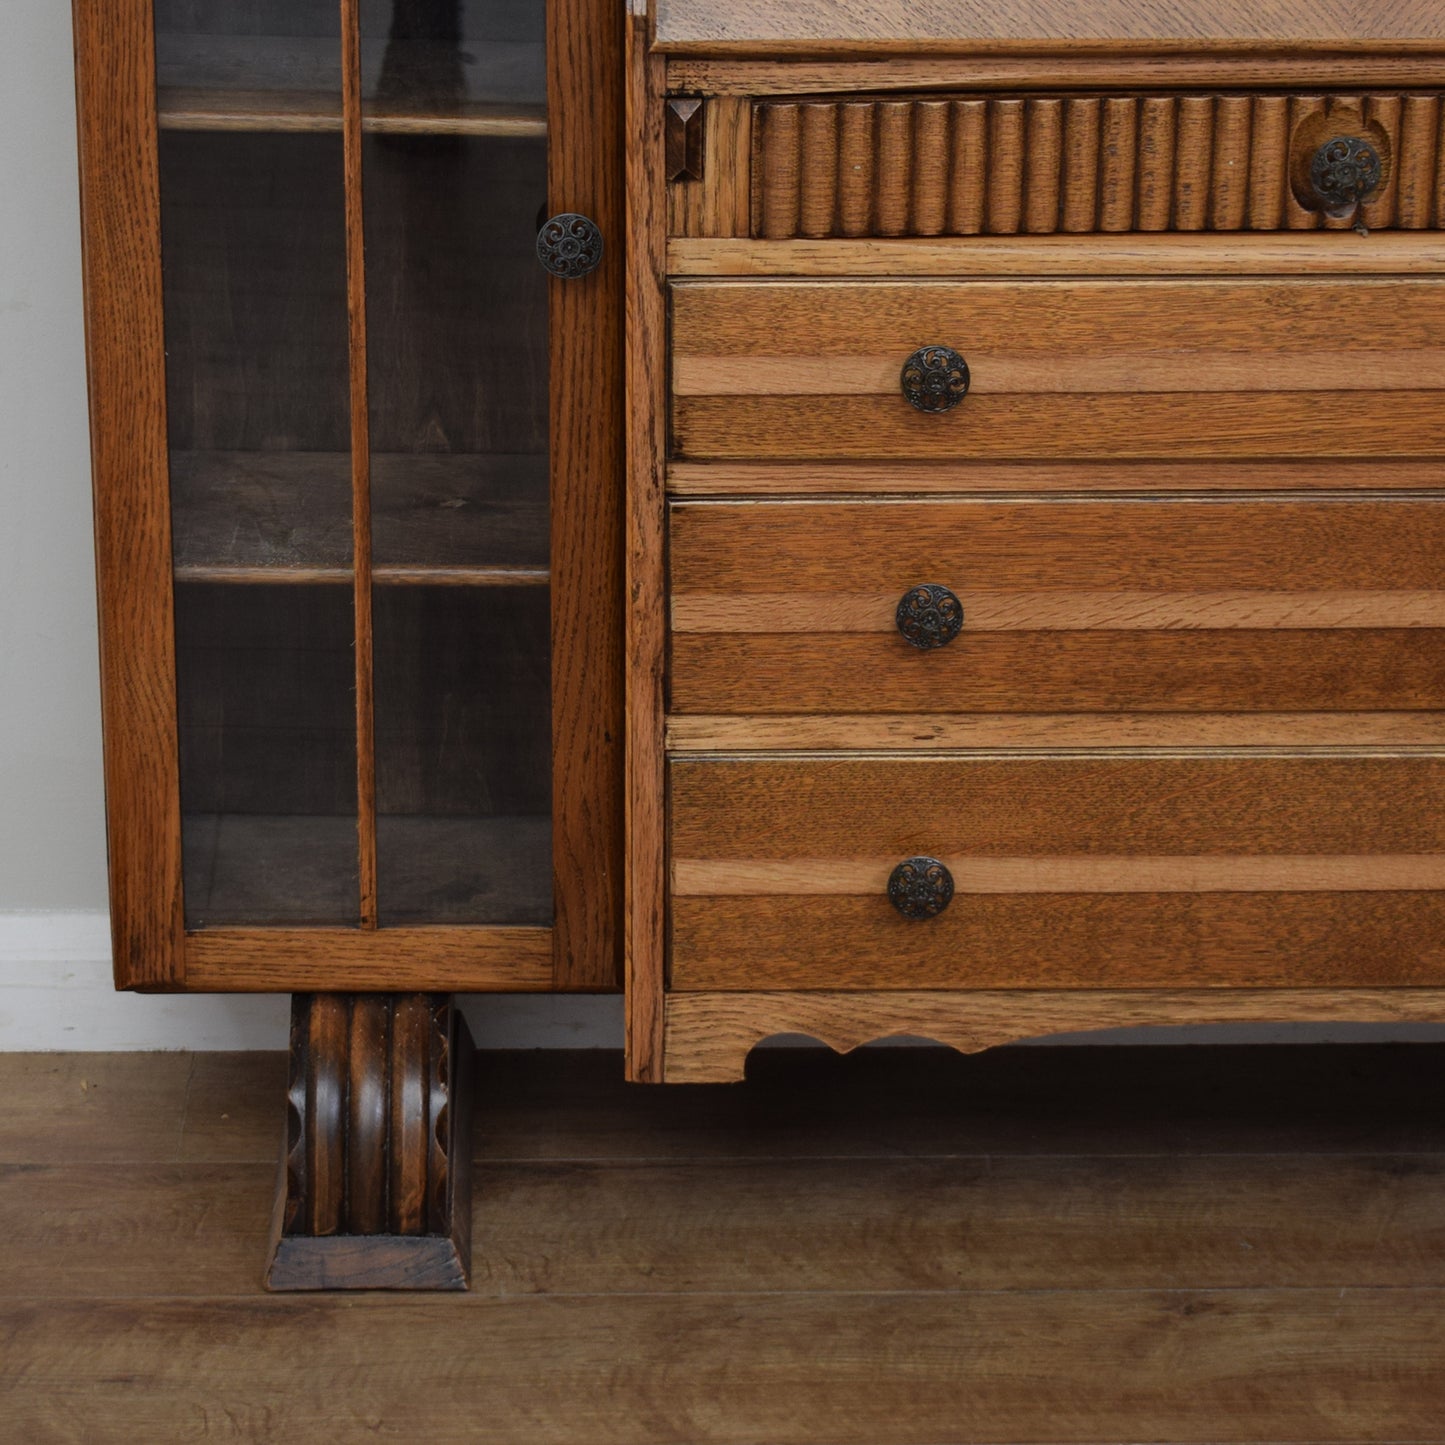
{"x":255,"y":271}
{"x":442,"y":66}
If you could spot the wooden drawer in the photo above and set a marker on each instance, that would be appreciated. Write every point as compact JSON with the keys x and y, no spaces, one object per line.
{"x":1069,"y":606}
{"x":1231,"y":870}
{"x":1013,"y":165}
{"x":1167,"y":369}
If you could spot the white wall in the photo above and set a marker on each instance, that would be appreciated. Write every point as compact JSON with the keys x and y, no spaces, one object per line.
{"x":54,"y":959}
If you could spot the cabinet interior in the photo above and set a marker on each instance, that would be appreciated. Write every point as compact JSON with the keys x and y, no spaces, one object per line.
{"x":262,"y":380}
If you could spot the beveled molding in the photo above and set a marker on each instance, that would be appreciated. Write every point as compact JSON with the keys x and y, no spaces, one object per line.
{"x":708,"y":1036}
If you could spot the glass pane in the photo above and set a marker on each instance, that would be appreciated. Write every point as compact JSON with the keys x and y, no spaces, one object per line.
{"x":463,"y":755}
{"x":457,"y":348}
{"x":254,"y":271}
{"x":455,"y":172}
{"x":462,"y":61}
{"x":268,"y":754}
{"x":248,"y":59}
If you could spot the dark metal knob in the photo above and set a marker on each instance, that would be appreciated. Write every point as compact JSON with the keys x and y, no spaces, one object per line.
{"x":929,"y":616}
{"x":1343,"y":171}
{"x":569,"y":246}
{"x":920,"y":887}
{"x":935,"y":378}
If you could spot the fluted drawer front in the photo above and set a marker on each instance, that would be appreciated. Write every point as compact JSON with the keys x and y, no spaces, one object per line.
{"x":1161,"y":369}
{"x":1006,"y":165}
{"x":1279,"y":604}
{"x":1061,"y":871}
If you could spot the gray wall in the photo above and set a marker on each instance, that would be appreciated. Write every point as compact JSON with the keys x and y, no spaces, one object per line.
{"x":52,"y":850}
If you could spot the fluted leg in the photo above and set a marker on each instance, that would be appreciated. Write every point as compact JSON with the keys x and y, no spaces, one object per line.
{"x":374,"y":1190}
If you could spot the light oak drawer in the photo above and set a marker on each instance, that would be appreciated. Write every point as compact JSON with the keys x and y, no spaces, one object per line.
{"x":1068,"y":606}
{"x":1013,"y":165}
{"x":1230,"y":870}
{"x":1167,"y":369}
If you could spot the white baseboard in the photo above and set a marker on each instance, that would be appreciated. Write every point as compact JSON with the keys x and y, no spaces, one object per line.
{"x":56,"y":994}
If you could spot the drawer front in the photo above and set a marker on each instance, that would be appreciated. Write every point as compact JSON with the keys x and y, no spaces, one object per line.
{"x":1067,"y":872}
{"x":1166,"y":370}
{"x":1267,"y":605}
{"x":1005,"y":165}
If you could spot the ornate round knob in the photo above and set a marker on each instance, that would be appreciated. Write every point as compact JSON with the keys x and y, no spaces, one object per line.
{"x":1343,"y":171}
{"x":935,"y":378}
{"x":929,"y":616}
{"x":920,"y":887}
{"x":569,"y":246}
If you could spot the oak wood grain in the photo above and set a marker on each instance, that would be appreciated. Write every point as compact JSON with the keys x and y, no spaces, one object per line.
{"x":585,"y":411}
{"x":768,"y":600}
{"x":1047,"y":479}
{"x":838,"y":549}
{"x":829,"y":877}
{"x":1083,"y":941}
{"x":1075,"y":67}
{"x":274,"y":960}
{"x":710,"y":1035}
{"x":125,"y":346}
{"x":1169,"y":254}
{"x":646,"y":613}
{"x":1173,"y":163}
{"x":1181,"y":425}
{"x":1202,"y":368}
{"x":1075,"y":322}
{"x":883,"y":26}
{"x":825,"y":732}
{"x":1242,"y":804}
{"x":719,"y":203}
{"x":1080,"y":672}
{"x":361,"y":541}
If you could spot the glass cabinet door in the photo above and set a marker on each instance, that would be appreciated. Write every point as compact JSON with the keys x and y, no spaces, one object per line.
{"x":254,"y":286}
{"x":376,"y":546}
{"x":454,"y":170}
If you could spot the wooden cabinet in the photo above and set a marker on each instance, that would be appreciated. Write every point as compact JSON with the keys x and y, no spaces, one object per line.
{"x":1035,"y":506}
{"x":996,"y":589}
{"x":358,"y":463}
{"x":354,"y":289}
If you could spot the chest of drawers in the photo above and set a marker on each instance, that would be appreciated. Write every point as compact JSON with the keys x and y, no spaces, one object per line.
{"x":1035,"y":518}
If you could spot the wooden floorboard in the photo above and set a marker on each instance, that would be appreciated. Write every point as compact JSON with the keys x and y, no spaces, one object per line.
{"x":1257,"y":1365}
{"x":1064,"y":1245}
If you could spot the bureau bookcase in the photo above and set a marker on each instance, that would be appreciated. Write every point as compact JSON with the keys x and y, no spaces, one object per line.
{"x":851,"y":519}
{"x":1036,"y":525}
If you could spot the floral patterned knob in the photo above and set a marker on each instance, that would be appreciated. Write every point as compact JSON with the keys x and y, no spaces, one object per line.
{"x":920,"y":887}
{"x":1344,"y":171}
{"x":935,"y":378}
{"x":929,"y":616}
{"x":569,"y":246}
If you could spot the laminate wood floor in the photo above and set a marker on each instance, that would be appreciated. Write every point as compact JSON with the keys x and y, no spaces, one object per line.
{"x":1062,"y":1245}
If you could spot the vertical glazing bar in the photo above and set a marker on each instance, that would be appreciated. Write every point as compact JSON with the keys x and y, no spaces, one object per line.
{"x":360,"y":458}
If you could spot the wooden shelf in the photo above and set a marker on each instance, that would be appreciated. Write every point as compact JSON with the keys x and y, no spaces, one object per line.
{"x":183,"y":108}
{"x":285,"y":517}
{"x":293,"y":83}
{"x":298,"y":870}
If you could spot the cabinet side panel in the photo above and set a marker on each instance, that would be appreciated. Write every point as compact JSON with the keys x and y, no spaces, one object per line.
{"x":646,"y":580}
{"x":115,"y":83}
{"x":584,"y":104}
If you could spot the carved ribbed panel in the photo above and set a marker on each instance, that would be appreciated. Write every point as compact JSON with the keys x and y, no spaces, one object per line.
{"x":1004,"y":165}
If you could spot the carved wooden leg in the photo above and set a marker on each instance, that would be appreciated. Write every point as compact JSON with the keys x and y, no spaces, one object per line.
{"x":376,"y":1169}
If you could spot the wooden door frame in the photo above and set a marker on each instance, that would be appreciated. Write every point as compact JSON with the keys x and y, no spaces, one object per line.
{"x":125,"y":342}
